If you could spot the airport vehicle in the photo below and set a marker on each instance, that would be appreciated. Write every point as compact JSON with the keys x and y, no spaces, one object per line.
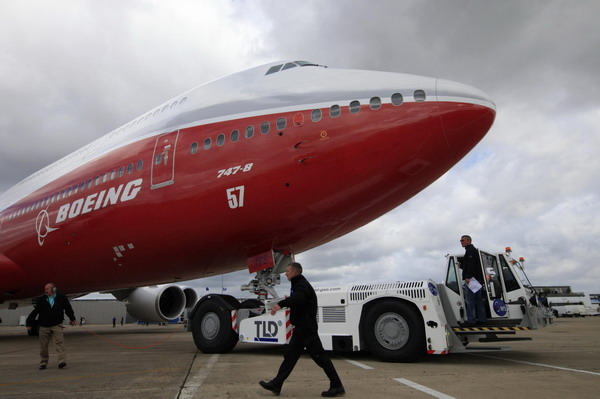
{"x":279,"y":158}
{"x":569,"y":310}
{"x":395,"y":321}
{"x":570,"y":305}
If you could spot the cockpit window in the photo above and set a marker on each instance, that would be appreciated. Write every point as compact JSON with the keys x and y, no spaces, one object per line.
{"x":289,"y":65}
{"x":274,"y":69}
{"x":307,"y":63}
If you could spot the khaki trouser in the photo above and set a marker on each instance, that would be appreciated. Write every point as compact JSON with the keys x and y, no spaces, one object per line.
{"x":56,"y":332}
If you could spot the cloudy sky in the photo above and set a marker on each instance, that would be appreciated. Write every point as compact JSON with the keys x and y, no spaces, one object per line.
{"x":71,"y":71}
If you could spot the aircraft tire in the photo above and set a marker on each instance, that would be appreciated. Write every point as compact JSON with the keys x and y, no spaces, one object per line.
{"x":211,"y":328}
{"x":394,"y":332}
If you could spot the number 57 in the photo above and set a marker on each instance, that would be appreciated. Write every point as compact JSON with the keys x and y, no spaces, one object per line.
{"x":235,"y":197}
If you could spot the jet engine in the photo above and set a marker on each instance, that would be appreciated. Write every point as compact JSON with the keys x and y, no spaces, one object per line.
{"x":191,"y":297}
{"x":158,"y":302}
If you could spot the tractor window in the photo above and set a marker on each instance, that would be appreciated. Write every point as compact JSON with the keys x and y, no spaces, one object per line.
{"x":510,"y":280}
{"x":451,"y":278}
{"x":492,"y":275}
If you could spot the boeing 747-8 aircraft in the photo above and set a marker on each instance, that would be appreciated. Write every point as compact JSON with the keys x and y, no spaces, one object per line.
{"x":241,"y":172}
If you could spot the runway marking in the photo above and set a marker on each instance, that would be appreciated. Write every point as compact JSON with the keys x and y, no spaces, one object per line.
{"x":539,"y":364}
{"x":191,"y":386}
{"x":424,"y":389}
{"x":361,"y":365}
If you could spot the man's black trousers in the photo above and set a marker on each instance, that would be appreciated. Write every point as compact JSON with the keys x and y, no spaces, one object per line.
{"x":310,"y":340}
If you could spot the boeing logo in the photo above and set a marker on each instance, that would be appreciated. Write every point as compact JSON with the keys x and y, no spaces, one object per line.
{"x":93,"y":202}
{"x":102,"y":199}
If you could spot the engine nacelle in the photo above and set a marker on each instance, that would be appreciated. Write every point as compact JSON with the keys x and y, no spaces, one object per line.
{"x":157,"y":303}
{"x":191,"y":297}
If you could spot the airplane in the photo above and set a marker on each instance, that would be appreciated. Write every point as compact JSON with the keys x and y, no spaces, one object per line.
{"x":241,"y":172}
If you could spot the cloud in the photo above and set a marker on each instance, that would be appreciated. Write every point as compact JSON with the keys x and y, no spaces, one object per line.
{"x":74,"y":71}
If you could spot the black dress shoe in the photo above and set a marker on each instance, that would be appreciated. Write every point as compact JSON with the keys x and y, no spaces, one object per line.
{"x":339,"y":391}
{"x":42,"y":367}
{"x":271,"y":386}
{"x":62,"y":365}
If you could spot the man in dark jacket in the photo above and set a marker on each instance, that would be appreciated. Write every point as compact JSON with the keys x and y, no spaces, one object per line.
{"x":303,"y":315}
{"x":471,"y":269}
{"x":51,"y":308}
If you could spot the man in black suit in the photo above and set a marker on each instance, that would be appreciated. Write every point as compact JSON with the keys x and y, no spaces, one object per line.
{"x":303,"y":315}
{"x":51,"y":308}
{"x":471,"y":270}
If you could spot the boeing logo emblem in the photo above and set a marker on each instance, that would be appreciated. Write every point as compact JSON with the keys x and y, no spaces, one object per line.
{"x":42,"y":226}
{"x":93,"y":202}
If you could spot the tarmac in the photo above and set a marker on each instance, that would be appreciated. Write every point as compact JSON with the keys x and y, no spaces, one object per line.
{"x":132,"y":361}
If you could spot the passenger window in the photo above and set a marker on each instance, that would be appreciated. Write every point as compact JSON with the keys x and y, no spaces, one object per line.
{"x":375,"y":103}
{"x":89,"y":183}
{"x":207,"y":143}
{"x":82,"y":186}
{"x":220,"y":139}
{"x":194,"y":147}
{"x":249,"y":132}
{"x":419,"y":95}
{"x":265,"y":127}
{"x":235,"y":135}
{"x":281,"y":123}
{"x":140,"y":165}
{"x":97,"y":182}
{"x":105,"y":177}
{"x":113,"y":174}
{"x":130,"y":168}
{"x":335,"y":111}
{"x":397,"y":99}
{"x":121,"y":171}
{"x":315,"y":115}
{"x":298,"y":119}
{"x":157,"y":159}
{"x":354,"y":107}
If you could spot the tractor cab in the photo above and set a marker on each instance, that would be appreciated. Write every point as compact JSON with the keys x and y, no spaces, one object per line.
{"x":509,"y":300}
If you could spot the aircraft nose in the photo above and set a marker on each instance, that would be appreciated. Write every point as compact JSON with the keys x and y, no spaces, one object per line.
{"x":466,"y":114}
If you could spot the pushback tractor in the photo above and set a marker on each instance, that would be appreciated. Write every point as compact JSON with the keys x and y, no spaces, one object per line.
{"x":395,"y":321}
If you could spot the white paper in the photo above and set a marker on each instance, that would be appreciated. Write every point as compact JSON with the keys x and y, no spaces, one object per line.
{"x":474,"y":285}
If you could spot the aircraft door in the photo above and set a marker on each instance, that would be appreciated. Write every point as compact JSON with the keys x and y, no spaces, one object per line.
{"x":163,"y":160}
